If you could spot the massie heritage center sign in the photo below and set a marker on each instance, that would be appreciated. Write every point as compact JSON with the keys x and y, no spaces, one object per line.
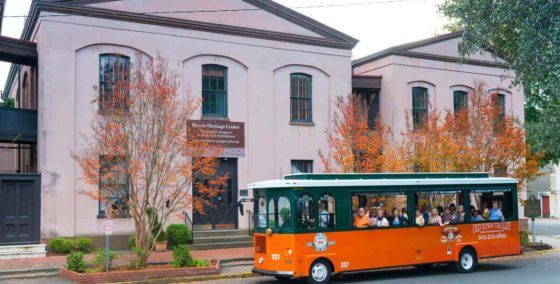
{"x":230,"y":136}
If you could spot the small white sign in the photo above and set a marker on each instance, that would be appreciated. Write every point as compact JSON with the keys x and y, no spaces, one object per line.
{"x":108,"y":227}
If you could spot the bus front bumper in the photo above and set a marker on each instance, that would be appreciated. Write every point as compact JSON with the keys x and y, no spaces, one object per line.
{"x":274,"y":273}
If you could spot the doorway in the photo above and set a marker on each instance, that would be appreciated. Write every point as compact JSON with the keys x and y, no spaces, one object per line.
{"x":223,"y":212}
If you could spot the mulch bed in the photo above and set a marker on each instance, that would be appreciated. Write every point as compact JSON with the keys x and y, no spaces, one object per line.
{"x":536,"y":247}
{"x":124,"y":274}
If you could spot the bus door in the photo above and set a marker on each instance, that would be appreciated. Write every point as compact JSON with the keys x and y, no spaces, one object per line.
{"x":433,"y":242}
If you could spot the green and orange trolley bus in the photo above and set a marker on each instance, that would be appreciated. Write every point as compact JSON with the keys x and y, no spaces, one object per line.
{"x":305,"y":223}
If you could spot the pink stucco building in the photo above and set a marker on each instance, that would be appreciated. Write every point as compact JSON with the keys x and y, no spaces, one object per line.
{"x":258,"y":65}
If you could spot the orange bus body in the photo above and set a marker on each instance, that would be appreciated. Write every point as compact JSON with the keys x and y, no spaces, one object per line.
{"x":369,"y":249}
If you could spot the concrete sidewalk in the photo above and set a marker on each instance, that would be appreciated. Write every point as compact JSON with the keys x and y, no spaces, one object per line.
{"x":52,"y":262}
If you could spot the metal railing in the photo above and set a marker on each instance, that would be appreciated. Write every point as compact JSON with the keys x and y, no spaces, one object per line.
{"x":250,"y":218}
{"x":189,"y":224}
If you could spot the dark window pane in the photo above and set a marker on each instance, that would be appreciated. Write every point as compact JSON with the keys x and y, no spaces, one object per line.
{"x":300,"y":97}
{"x":214,"y":90}
{"x":460,"y":101}
{"x":302,"y":166}
{"x":114,"y":75}
{"x":419,"y":106}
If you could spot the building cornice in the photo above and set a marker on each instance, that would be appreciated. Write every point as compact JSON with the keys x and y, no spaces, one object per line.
{"x":404,"y":50}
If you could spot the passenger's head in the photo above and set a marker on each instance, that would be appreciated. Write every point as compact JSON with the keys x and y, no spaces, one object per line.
{"x":372,"y":212}
{"x":435,"y":212}
{"x":321,"y":206}
{"x":440,"y":209}
{"x":395,"y":212}
{"x":418,"y":213}
{"x":423,"y":208}
{"x":447,"y":210}
{"x":361,"y":211}
{"x":461,"y":209}
{"x":452,"y":207}
{"x":379,"y":213}
{"x":495,"y":205}
{"x":476,"y":212}
{"x":403,"y":210}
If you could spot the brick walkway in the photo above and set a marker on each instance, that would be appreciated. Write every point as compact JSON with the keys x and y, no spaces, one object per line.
{"x":124,"y":256}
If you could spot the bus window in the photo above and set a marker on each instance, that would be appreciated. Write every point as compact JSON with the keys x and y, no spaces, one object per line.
{"x":491,"y":205}
{"x":261,"y":212}
{"x":440,"y":208}
{"x":305,"y":212}
{"x":279,"y":213}
{"x":326,"y":211}
{"x":379,"y":209}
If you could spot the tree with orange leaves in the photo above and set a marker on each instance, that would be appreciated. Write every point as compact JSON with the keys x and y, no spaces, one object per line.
{"x":481,"y":138}
{"x":139,"y":160}
{"x":355,"y":146}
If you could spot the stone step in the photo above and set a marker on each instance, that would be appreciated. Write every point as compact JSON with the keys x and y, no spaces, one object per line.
{"x":222,"y":239}
{"x":23,"y":251}
{"x":215,"y":233}
{"x":224,"y":245}
{"x":6,"y":275}
{"x":28,"y":276}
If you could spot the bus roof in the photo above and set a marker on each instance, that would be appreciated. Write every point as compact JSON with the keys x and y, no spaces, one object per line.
{"x":336,"y":176}
{"x":364,"y":180}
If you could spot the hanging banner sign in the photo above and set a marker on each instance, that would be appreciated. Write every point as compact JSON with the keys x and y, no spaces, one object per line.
{"x":230,"y":136}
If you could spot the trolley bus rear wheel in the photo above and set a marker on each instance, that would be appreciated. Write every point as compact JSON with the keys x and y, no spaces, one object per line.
{"x":467,"y":261}
{"x":319,"y":272}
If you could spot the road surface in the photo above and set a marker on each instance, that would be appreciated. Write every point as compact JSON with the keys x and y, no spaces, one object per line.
{"x":534,"y":269}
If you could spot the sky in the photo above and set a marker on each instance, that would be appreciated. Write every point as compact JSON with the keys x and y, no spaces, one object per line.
{"x":377,"y":24}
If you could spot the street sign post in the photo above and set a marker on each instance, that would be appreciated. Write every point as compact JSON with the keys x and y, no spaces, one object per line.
{"x":108,"y":232}
{"x":532,"y":210}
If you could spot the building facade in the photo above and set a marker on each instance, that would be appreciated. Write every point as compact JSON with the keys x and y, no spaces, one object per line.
{"x":545,"y":189}
{"x":262,"y":69}
{"x":258,"y":65}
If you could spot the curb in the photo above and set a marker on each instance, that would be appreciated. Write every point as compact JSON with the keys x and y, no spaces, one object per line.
{"x":199,"y":278}
{"x":236,"y":259}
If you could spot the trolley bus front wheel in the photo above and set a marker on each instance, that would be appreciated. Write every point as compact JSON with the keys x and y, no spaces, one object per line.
{"x":467,"y":261}
{"x":320,"y":272}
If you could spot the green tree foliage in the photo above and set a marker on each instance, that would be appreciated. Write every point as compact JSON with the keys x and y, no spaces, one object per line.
{"x":526,"y":34}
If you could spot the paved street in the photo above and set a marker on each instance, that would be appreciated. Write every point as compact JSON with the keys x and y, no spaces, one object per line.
{"x":521,"y":269}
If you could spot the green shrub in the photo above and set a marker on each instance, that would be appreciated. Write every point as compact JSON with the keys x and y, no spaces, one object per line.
{"x":177,"y":234}
{"x":62,"y":245}
{"x":140,"y":260}
{"x":132,"y":242}
{"x":524,"y":238}
{"x":84,"y":245}
{"x":7,"y":102}
{"x":156,"y":227}
{"x":198,"y":263}
{"x":99,"y":260}
{"x":75,"y":262}
{"x":181,"y":256}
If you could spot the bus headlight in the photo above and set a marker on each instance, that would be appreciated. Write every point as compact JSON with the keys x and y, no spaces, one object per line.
{"x":268,"y":232}
{"x":261,"y":260}
{"x":289,"y":251}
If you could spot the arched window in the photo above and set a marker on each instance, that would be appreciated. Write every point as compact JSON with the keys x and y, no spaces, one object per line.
{"x":261,"y":212}
{"x":460,"y":101}
{"x":214,"y":91}
{"x":114,"y":76}
{"x":419,"y":107}
{"x":301,"y":97}
{"x":279,"y":213}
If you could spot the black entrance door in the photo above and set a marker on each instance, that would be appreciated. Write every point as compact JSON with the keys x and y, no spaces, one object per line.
{"x":17,"y":206}
{"x":223,"y":213}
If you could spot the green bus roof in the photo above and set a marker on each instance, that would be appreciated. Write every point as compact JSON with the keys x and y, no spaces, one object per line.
{"x":366,"y":176}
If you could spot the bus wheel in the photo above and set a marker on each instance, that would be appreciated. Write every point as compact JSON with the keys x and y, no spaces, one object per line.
{"x":319,"y":272}
{"x":467,"y":261}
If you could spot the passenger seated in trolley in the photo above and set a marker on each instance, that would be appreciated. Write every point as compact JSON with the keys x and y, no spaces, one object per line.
{"x":380,"y":221}
{"x":324,"y":217}
{"x":361,"y":220}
